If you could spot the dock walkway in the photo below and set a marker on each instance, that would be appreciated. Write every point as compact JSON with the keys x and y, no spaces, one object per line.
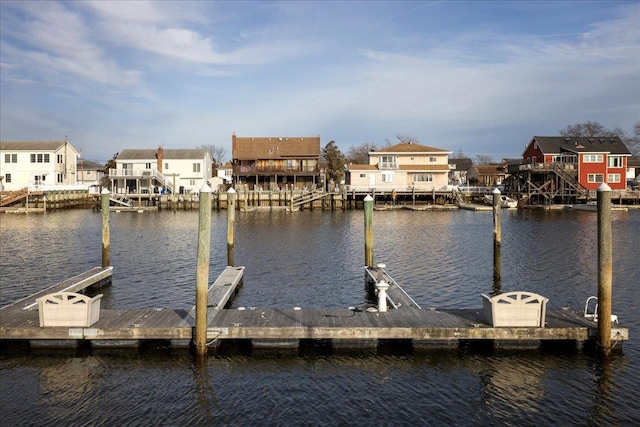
{"x":278,"y":327}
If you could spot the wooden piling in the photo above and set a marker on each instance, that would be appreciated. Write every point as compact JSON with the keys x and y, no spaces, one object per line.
{"x":605,"y":268}
{"x":231,"y":221}
{"x":368,"y":231}
{"x":202,"y":273}
{"x":106,"y":245}
{"x":497,"y":235}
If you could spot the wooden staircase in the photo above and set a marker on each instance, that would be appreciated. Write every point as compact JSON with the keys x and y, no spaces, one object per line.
{"x":309,"y":197}
{"x":12,"y":197}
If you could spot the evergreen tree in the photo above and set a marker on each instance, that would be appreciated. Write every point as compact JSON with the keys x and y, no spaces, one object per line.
{"x":335,"y":161}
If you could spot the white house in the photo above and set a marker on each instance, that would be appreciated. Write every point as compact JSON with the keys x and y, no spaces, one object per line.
{"x":150,"y":171}
{"x":37,"y":164}
{"x":89,"y":173}
{"x":401,"y":167}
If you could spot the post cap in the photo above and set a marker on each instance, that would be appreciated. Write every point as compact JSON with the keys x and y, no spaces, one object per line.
{"x":380,"y":265}
{"x":205,"y":188}
{"x":231,"y":191}
{"x":496,"y":191}
{"x":603,"y":187}
{"x":105,"y":191}
{"x":368,"y":198}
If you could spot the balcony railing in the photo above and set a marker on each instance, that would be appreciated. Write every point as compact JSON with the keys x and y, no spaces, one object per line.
{"x":388,"y":165}
{"x":275,"y":170}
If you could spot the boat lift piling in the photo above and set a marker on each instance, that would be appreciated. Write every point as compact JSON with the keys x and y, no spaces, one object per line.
{"x":231,"y":221}
{"x":368,"y":231}
{"x":106,"y":246}
{"x":202,"y":274}
{"x":605,"y":269}
{"x":497,"y":235}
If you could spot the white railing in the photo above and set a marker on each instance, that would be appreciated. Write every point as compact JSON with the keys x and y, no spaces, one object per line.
{"x":143,"y":173}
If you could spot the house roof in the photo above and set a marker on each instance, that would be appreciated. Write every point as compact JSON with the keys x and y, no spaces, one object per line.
{"x":408,"y":147}
{"x":581,"y":144}
{"x":417,"y":168}
{"x":633,"y":161}
{"x":489,"y":169}
{"x":88,"y":165}
{"x":254,"y":148}
{"x":167,"y":154}
{"x":31,"y":145}
{"x":461,"y":164}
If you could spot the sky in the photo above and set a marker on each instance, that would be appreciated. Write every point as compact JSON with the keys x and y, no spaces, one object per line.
{"x":481,"y":77}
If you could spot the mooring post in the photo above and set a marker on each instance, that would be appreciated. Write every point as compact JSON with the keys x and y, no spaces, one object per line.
{"x":497,"y":234}
{"x":368,"y":231}
{"x":202,"y":272}
{"x":106,"y":246}
{"x":231,"y":222}
{"x":605,"y":268}
{"x":382,"y":295}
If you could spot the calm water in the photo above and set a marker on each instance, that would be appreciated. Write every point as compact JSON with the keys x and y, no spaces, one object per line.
{"x":314,"y":259}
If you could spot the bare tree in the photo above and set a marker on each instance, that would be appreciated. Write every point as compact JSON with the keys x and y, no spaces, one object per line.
{"x":591,"y":130}
{"x":218,"y":154}
{"x":484,"y":159}
{"x":359,"y":154}
{"x":459,"y":154}
{"x":633,"y":142}
{"x":403,"y":138}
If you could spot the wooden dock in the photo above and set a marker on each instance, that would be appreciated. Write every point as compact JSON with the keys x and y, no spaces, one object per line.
{"x":404,"y":322}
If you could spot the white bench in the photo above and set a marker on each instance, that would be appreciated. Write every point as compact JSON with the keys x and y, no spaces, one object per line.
{"x":68,"y":309}
{"x":515,"y":309}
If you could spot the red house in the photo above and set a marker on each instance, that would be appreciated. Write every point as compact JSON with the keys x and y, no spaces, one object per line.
{"x":592,"y":160}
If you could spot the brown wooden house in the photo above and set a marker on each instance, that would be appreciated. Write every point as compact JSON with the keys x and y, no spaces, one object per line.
{"x":268,"y":163}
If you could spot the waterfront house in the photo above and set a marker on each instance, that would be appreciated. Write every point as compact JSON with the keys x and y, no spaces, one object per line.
{"x":458,"y":170}
{"x":276,"y":162}
{"x":581,"y":162}
{"x":162,"y":170}
{"x":225,"y":173}
{"x":37,"y":165}
{"x":90,"y":173}
{"x":403,"y":166}
{"x":487,"y":175}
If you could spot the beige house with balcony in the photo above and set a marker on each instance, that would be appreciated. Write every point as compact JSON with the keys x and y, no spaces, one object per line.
{"x":403,"y":166}
{"x":37,"y":165}
{"x":148,"y":171}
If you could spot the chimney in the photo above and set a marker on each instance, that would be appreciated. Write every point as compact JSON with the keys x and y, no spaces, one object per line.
{"x":159,"y":156}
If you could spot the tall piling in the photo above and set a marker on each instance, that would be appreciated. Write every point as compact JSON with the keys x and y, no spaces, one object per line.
{"x":202,"y":269}
{"x":106,"y":245}
{"x":605,"y":268}
{"x":231,"y":223}
{"x":497,"y":235}
{"x":368,"y":231}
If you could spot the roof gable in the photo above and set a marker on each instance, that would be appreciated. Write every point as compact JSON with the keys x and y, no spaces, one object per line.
{"x":407,"y":147}
{"x":254,"y":148}
{"x":580,"y":144}
{"x":31,"y":145}
{"x":167,"y":154}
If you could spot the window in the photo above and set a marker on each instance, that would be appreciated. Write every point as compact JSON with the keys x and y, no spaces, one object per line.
{"x":423,"y":177}
{"x":614,"y":161}
{"x":595,"y":177}
{"x":59,"y":178}
{"x":7,"y":178}
{"x":147,"y":166}
{"x":387,"y":177}
{"x":40,"y":158}
{"x":613,"y":177}
{"x":59,"y":158}
{"x":192,"y":182}
{"x":10,"y":158}
{"x":387,"y":162}
{"x":363,"y":175}
{"x":290,"y":164}
{"x":592,"y":158}
{"x":432,"y":160}
{"x":196,"y":167}
{"x":227,"y":173}
{"x":166,"y":166}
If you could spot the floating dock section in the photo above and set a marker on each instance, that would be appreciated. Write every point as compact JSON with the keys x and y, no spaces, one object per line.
{"x":405,"y":322}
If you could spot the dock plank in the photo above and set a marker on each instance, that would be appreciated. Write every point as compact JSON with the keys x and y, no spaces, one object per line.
{"x":74,"y":284}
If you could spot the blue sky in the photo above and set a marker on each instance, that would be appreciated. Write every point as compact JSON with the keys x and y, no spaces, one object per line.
{"x":481,"y":77}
